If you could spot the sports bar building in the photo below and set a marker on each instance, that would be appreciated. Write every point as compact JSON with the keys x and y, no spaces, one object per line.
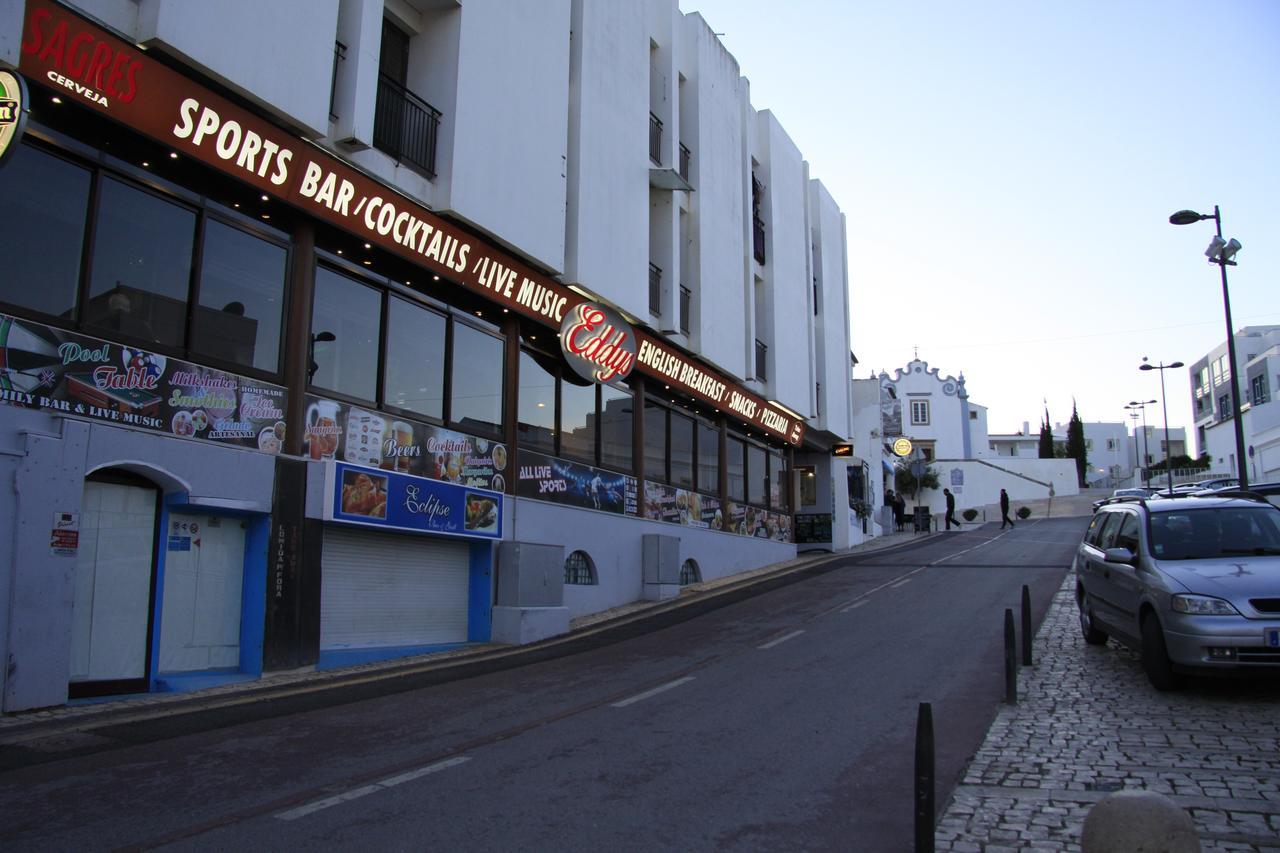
{"x":342,"y":330}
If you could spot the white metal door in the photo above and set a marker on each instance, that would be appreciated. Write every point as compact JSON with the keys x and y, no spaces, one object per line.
{"x":112,"y":583}
{"x":380,"y":590}
{"x":203,"y":578}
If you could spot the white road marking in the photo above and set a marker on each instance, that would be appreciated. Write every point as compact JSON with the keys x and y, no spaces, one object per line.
{"x":372,"y":788}
{"x":781,"y":639}
{"x":858,"y":603}
{"x":902,"y":582}
{"x":662,"y":688}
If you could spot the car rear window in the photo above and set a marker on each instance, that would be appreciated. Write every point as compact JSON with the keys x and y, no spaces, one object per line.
{"x":1198,"y":534}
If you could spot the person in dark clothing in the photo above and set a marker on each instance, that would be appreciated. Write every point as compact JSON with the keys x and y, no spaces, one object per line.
{"x":1004,"y":510}
{"x":951,"y":509}
{"x":899,"y":509}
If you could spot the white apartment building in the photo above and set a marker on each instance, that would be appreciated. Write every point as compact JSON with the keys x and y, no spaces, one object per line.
{"x":344,"y":330}
{"x":1257,"y":351}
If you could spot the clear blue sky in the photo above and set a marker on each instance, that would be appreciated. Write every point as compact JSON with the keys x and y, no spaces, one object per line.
{"x":1007,"y":170}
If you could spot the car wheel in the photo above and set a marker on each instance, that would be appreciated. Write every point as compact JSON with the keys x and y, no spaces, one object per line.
{"x":1092,"y":635}
{"x":1155,"y":656}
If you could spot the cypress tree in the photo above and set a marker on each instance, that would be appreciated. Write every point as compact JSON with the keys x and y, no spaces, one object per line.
{"x":1075,"y":444}
{"x":1046,"y":437}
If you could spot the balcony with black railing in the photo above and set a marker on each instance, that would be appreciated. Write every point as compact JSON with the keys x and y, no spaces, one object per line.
{"x":405,"y":126}
{"x":685,"y":156}
{"x":655,"y":139}
{"x":655,"y":290}
{"x":686,"y":301}
{"x":762,"y":360}
{"x":757,"y":239}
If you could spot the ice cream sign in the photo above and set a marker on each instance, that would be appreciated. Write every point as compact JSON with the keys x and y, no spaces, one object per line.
{"x":598,"y":344}
{"x":13,"y":111}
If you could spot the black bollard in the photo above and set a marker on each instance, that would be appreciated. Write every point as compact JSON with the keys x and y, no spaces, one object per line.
{"x":1010,"y":660}
{"x":925,"y":780}
{"x":1026,"y":626}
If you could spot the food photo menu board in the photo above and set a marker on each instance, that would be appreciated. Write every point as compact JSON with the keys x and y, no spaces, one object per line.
{"x":346,"y":433}
{"x":43,"y":367}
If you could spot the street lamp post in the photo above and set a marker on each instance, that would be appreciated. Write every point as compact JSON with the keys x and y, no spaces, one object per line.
{"x":1138,"y":454}
{"x":1146,"y":451}
{"x":1164,"y":403}
{"x":1221,"y":252}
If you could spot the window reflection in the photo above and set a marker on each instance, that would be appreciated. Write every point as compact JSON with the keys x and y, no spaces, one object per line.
{"x":415,"y":358}
{"x":681,"y":451}
{"x":46,"y":202}
{"x":735,"y":464}
{"x":616,"y":427}
{"x":478,"y":373}
{"x":536,"y":428}
{"x":578,"y":419}
{"x":351,"y":313}
{"x":241,"y":297}
{"x":708,"y":458}
{"x":141,"y":265}
{"x":756,"y":474}
{"x":655,"y":442}
{"x":777,"y":480}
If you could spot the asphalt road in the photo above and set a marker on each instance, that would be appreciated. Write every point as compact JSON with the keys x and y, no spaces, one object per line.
{"x":785,"y":721}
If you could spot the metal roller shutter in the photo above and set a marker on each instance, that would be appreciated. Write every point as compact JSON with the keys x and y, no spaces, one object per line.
{"x":381,"y":590}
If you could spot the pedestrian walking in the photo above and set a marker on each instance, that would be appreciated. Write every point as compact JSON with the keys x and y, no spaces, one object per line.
{"x":899,"y":509}
{"x":1004,"y":510}
{"x":951,"y":509}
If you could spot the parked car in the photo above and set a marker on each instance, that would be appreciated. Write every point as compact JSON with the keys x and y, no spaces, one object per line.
{"x":1123,"y":493}
{"x":1218,"y":483}
{"x":1193,"y":583}
{"x":1270,"y":491}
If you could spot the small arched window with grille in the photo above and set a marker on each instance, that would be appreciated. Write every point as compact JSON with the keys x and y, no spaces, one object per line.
{"x":689,"y":573}
{"x":578,"y":569}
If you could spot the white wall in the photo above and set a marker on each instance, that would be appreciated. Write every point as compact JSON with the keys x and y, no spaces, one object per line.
{"x":832,"y":345}
{"x":1024,"y":479}
{"x":283,"y":62}
{"x":945,"y":428}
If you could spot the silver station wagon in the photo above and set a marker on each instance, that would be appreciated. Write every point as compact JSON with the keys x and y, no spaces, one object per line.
{"x":1191,"y":582}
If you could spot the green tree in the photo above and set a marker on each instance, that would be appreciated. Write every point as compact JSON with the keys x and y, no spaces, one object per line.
{"x":1075,"y":444}
{"x":1046,"y":437}
{"x":904,"y":482}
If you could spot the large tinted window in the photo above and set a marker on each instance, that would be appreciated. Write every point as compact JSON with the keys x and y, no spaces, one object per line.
{"x":681,"y":451}
{"x":735,"y":464}
{"x":42,"y":218}
{"x":241,"y":298}
{"x":142,"y":251}
{"x":708,"y":458}
{"x":616,"y":427}
{"x":655,"y":442}
{"x":778,"y":480}
{"x":415,"y":358}
{"x":756,"y":474}
{"x":578,"y":419}
{"x":537,"y":406}
{"x":478,"y":370}
{"x":351,"y":313}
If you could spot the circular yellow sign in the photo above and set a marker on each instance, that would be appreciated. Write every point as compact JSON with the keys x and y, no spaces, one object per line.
{"x":902,"y":447}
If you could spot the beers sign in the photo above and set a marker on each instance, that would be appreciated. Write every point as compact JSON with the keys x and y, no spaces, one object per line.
{"x":598,"y":344}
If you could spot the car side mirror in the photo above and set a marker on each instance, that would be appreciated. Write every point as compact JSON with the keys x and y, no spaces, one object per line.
{"x":1118,"y":555}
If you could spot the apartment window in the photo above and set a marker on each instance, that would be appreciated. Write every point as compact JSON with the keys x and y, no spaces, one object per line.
{"x":757,"y":221}
{"x":578,"y":570}
{"x":339,"y":57}
{"x":685,"y":158}
{"x":1258,"y":389}
{"x":1224,"y":407}
{"x":404,"y":125}
{"x":973,"y":416}
{"x":919,"y":412}
{"x":1111,"y":444}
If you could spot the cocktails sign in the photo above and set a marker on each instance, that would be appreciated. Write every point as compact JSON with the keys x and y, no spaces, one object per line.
{"x":598,"y":344}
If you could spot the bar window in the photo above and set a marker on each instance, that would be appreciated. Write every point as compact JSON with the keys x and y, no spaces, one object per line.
{"x":46,"y":203}
{"x":736,"y":466}
{"x":414,"y":373}
{"x":141,"y":265}
{"x":241,"y":298}
{"x":345,"y":327}
{"x":708,"y":458}
{"x":681,"y":451}
{"x":477,"y":379}
{"x":757,"y":474}
{"x":577,"y":418}
{"x":655,"y":442}
{"x":778,"y":480}
{"x":616,"y":427}
{"x":536,"y":421}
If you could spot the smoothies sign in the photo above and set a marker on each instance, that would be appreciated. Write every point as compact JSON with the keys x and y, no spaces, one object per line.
{"x":598,"y":344}
{"x":82,"y":62}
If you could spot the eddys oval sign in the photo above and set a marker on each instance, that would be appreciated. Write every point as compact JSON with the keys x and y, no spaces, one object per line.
{"x":598,"y":344}
{"x":13,"y":111}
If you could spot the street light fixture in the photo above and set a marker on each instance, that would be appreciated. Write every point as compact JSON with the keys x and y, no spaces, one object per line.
{"x":1146,"y":453}
{"x":1222,"y":252}
{"x":1164,"y":402}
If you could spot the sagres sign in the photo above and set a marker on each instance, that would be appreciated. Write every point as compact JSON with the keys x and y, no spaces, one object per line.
{"x":13,"y":111}
{"x":598,"y":344}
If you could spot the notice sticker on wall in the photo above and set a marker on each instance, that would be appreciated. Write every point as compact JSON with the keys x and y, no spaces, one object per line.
{"x":64,"y":539}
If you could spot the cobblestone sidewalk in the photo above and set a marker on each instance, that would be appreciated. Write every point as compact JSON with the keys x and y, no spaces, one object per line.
{"x":1088,"y":723}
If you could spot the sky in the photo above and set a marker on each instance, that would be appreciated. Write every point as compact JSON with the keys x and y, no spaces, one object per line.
{"x":1007,"y":171}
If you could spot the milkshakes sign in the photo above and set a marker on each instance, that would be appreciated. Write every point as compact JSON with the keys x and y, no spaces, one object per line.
{"x":13,"y":111}
{"x":599,"y":345}
{"x":84,"y":63}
